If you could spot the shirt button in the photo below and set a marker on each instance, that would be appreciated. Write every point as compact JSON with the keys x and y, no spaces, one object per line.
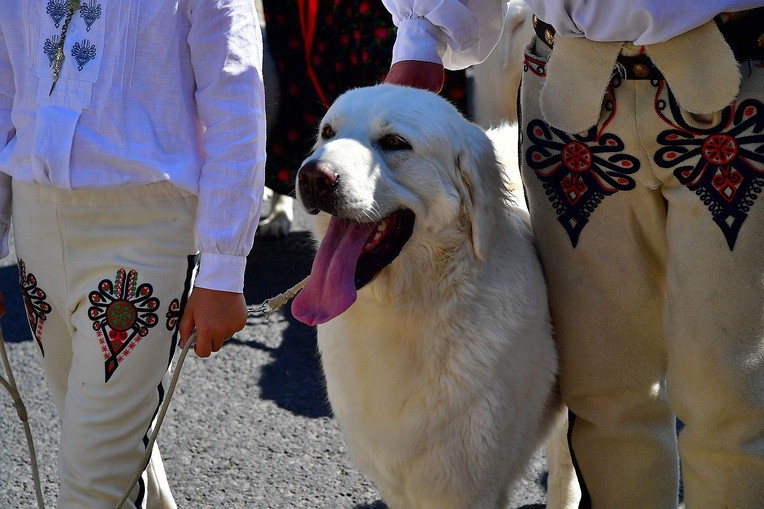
{"x":641,"y":70}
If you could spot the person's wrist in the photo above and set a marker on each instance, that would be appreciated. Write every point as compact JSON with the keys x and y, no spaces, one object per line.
{"x":414,"y":73}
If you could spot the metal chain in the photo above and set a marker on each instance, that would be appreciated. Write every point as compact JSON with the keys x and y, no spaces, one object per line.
{"x":13,"y":390}
{"x":58,"y":60}
{"x":268,"y":307}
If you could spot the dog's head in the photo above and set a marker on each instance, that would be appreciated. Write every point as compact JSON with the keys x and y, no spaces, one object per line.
{"x":392,"y":165}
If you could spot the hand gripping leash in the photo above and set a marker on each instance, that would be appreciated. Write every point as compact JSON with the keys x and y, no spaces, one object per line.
{"x":266,"y":309}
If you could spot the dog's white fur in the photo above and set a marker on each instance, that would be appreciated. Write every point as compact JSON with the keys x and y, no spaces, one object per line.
{"x":442,"y":373}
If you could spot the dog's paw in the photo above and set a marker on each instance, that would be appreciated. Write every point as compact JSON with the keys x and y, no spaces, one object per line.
{"x":280,"y":219}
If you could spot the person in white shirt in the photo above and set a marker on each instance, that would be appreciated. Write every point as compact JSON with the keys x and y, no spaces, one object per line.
{"x":642,"y":127}
{"x":132,"y":139}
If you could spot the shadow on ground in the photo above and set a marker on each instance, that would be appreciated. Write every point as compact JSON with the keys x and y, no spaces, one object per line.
{"x":294,"y":379}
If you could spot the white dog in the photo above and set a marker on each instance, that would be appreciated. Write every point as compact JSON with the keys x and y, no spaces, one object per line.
{"x":433,"y":323}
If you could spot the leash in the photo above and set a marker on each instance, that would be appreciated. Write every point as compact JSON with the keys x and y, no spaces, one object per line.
{"x":21,"y":410}
{"x":265,"y":309}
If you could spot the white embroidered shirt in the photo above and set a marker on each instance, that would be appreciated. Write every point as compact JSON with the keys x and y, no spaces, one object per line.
{"x":149,"y":91}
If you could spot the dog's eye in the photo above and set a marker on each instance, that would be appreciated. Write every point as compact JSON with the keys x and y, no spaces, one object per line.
{"x":393,"y":142}
{"x":327,"y":132}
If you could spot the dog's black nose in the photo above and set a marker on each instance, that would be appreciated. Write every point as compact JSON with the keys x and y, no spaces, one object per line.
{"x":316,"y":181}
{"x":316,"y":175}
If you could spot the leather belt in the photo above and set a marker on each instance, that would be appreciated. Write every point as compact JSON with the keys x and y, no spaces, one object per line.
{"x":745,"y":35}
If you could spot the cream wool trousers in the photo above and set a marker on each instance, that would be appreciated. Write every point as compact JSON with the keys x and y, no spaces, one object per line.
{"x":650,"y":227}
{"x":104,"y":275}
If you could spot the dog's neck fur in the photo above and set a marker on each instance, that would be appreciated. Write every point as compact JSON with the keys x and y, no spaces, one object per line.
{"x":438,"y":283}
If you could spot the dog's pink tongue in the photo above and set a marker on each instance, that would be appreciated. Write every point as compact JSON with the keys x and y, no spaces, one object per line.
{"x":330,"y":290}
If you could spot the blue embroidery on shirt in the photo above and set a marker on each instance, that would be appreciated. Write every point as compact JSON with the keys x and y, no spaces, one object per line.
{"x":57,"y":10}
{"x":83,"y":52}
{"x":90,"y":12}
{"x":50,"y":48}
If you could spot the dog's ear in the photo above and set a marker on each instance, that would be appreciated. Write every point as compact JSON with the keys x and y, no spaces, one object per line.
{"x":480,"y":188}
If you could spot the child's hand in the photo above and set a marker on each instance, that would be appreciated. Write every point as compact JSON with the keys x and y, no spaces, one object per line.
{"x":412,"y":73}
{"x":215,"y":315}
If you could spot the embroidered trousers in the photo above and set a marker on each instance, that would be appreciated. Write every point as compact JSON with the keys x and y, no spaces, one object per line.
{"x":104,"y":276}
{"x":650,"y":227}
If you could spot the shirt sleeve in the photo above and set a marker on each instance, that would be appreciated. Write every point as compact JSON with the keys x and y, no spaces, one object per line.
{"x":637,"y":21}
{"x":227,"y":52}
{"x":456,"y":33}
{"x":7,"y":92}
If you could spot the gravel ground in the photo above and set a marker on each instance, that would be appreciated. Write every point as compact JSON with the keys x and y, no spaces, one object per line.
{"x":248,"y":428}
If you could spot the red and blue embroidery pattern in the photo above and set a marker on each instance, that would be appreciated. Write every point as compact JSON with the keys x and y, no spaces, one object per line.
{"x":578,"y":171}
{"x":534,"y":65}
{"x":122,"y":314}
{"x":34,"y":301}
{"x":723,"y":165}
{"x":173,"y":315}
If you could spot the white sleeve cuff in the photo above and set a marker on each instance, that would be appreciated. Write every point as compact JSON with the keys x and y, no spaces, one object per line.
{"x":417,"y":39}
{"x":221,"y":272}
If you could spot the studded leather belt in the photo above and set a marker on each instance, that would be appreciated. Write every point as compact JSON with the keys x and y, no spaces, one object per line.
{"x":745,"y":35}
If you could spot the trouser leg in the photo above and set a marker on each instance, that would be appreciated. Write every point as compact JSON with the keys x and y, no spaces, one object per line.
{"x":126,"y":265}
{"x":710,"y":172}
{"x":599,"y":222}
{"x":42,"y":285}
{"x":715,"y":304}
